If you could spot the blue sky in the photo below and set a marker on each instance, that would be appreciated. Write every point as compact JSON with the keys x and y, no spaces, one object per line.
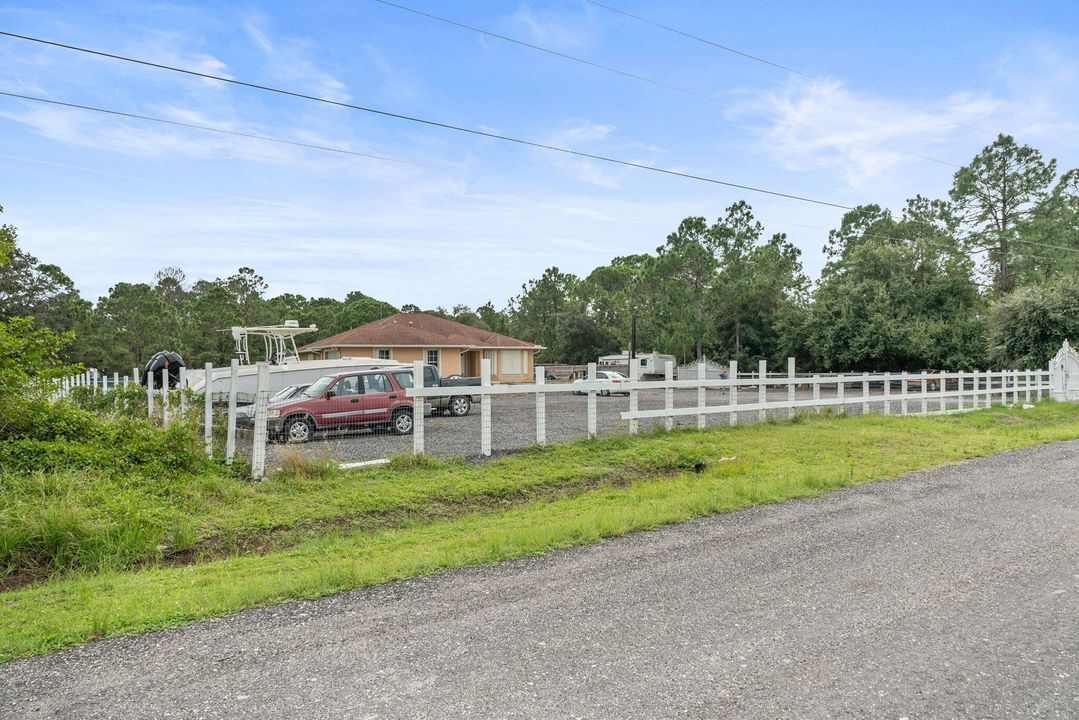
{"x":465,"y":219}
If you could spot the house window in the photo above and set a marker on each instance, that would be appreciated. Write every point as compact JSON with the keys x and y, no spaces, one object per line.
{"x":432,"y":357}
{"x":382,"y":353}
{"x":509,"y":362}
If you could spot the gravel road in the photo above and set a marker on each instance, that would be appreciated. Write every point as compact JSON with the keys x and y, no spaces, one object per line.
{"x":952,"y":593}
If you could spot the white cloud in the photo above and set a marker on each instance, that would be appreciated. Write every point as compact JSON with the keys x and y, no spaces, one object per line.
{"x":290,"y":60}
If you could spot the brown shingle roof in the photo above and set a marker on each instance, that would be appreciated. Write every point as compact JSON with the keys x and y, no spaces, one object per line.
{"x":420,"y":330}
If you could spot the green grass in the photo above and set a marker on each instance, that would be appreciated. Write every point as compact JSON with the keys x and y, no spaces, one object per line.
{"x":316,"y":532}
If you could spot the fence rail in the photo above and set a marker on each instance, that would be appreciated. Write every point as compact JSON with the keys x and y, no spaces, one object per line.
{"x":506,"y":411}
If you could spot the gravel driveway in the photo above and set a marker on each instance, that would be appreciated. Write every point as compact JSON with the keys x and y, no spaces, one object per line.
{"x":952,"y":593}
{"x":513,"y":421}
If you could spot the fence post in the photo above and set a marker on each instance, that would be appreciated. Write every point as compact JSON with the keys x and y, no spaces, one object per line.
{"x":1026,"y":386}
{"x":732,"y":380}
{"x":164,"y":397}
{"x":790,"y":387}
{"x":485,"y":408}
{"x":841,"y":393}
{"x":887,"y":393}
{"x":230,"y":418}
{"x":262,"y":398}
{"x":925,"y":394}
{"x":960,"y":386}
{"x":668,"y":394}
{"x":702,"y":376}
{"x":541,"y":409}
{"x":762,"y":389}
{"x":116,"y":381}
{"x":150,"y":395}
{"x":93,"y":381}
{"x":865,"y":393}
{"x":1015,"y":388}
{"x":104,"y":383}
{"x":591,"y":401}
{"x":943,"y":390}
{"x":183,"y":395}
{"x":904,"y":392}
{"x":634,"y":374}
{"x":417,"y":409}
{"x":208,"y":409}
{"x":135,"y":375}
{"x":816,"y":393}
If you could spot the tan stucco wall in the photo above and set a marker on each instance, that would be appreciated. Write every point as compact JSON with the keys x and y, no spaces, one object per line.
{"x":450,"y":360}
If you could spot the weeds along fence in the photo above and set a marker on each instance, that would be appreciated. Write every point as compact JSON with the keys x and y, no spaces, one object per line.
{"x":505,"y":417}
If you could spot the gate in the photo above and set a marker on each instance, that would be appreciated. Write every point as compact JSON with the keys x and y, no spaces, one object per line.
{"x":1064,"y":374}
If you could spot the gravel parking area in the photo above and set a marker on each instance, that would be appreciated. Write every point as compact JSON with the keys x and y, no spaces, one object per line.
{"x":513,"y":421}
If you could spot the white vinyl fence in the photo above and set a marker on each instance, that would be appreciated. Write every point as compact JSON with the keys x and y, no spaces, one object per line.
{"x":774,"y":396}
{"x":513,"y":416}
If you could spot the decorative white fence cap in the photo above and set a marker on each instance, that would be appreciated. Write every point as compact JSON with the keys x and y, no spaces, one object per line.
{"x":1064,"y":379}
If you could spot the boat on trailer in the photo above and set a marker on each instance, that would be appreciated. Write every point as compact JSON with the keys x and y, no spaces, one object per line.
{"x":286,"y":367}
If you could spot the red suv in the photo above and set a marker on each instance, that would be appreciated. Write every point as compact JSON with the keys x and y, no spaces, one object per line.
{"x":370,"y":398}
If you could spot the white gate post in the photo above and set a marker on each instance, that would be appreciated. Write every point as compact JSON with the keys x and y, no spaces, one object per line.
{"x":762,"y":389}
{"x":150,"y":395}
{"x":116,"y":381}
{"x":887,"y":393}
{"x":1026,"y":386}
{"x":417,"y":409}
{"x":485,"y":408}
{"x":865,"y":393}
{"x":208,"y":410}
{"x":183,"y":395}
{"x":541,"y":409}
{"x":135,"y":375}
{"x":925,"y":393}
{"x":841,"y":393}
{"x":732,"y":380}
{"x":790,"y":387}
{"x":904,"y":392}
{"x":230,"y":418}
{"x":943,"y":389}
{"x":816,"y":393}
{"x":165,"y":397}
{"x":668,"y":394}
{"x":960,"y":386}
{"x":634,"y":375}
{"x":262,"y":398}
{"x":1015,"y":387}
{"x":702,"y":376}
{"x":591,"y":401}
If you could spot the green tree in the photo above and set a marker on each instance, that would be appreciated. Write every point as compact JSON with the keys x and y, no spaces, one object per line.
{"x":534,"y":313}
{"x":994,"y":196}
{"x":685,"y":269}
{"x":1027,"y":327}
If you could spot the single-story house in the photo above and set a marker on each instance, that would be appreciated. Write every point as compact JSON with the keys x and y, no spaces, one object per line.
{"x":455,"y":348}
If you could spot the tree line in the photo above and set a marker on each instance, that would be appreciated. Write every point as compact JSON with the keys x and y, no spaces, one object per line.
{"x":988,"y":277}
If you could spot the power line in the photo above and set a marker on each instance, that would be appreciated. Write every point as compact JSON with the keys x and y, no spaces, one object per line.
{"x":209,"y":128}
{"x":729,"y":49}
{"x":425,"y":121}
{"x":706,"y":41}
{"x":634,"y":76}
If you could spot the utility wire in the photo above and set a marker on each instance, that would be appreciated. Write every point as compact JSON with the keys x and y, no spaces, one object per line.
{"x":726,"y":48}
{"x":634,"y":76}
{"x":209,"y":128}
{"x":700,"y":39}
{"x":428,"y":122}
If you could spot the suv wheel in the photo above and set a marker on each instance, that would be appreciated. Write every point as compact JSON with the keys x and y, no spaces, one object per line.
{"x":299,"y":429}
{"x":460,"y":406}
{"x":401,"y":423}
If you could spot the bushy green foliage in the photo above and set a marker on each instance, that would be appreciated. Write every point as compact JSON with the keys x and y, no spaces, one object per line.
{"x":1028,"y":327}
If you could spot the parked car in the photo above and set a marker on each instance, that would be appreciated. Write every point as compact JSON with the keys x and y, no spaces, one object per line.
{"x":456,"y":405}
{"x":605,"y":376}
{"x":364,"y":399}
{"x":245,"y":415}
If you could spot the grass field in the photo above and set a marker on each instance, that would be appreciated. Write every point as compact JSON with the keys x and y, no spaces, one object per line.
{"x":131,"y":553}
